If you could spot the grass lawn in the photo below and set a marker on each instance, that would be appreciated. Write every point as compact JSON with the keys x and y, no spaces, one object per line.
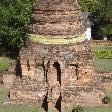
{"x":103,"y":65}
{"x":101,"y":109}
{"x":102,"y":60}
{"x":19,"y":108}
{"x":4,"y":63}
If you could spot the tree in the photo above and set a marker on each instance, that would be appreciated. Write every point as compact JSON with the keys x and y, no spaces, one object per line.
{"x":14,"y":18}
{"x":89,"y":5}
{"x":101,"y":16}
{"x":106,"y":13}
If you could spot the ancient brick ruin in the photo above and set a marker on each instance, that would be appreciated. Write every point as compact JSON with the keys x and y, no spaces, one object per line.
{"x":55,"y":75}
{"x":57,"y":17}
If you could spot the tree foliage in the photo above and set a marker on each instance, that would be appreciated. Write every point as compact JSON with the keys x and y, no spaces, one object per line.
{"x":89,"y":5}
{"x":101,"y":16}
{"x":14,"y":17}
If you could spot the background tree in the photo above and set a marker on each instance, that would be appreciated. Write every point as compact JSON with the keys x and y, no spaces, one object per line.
{"x":101,"y":16}
{"x":14,"y":17}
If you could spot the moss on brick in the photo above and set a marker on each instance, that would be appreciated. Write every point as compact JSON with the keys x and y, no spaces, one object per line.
{"x":56,"y":40}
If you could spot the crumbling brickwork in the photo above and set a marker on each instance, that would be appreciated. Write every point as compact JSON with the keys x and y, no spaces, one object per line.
{"x":62,"y":73}
{"x":57,"y":17}
{"x":8,"y":77}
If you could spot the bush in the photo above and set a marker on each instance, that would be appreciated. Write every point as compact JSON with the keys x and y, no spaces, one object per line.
{"x":3,"y":67}
{"x":78,"y":109}
{"x":106,"y":100}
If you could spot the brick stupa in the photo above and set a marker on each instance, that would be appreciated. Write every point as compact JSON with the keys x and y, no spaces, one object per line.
{"x":57,"y":18}
{"x":56,"y":64}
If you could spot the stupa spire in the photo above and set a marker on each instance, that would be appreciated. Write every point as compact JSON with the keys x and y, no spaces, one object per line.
{"x":57,"y":18}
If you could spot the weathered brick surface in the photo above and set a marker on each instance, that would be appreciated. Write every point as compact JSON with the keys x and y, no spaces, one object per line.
{"x":75,"y":80}
{"x":57,"y":17}
{"x":8,"y":79}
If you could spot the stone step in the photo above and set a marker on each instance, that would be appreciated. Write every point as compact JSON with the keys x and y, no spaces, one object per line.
{"x":26,"y":87}
{"x":83,"y":88}
{"x":23,"y":84}
{"x":30,"y":82}
{"x":34,"y":86}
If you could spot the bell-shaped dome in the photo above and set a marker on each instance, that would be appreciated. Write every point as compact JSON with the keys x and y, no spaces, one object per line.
{"x":57,"y":18}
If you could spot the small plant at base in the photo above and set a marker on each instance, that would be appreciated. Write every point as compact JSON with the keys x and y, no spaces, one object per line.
{"x":106,"y":100}
{"x":78,"y":109}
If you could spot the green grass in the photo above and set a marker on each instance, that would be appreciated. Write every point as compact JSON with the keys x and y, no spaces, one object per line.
{"x":103,"y":65}
{"x":15,"y":108}
{"x":99,"y":109}
{"x":19,"y":108}
{"x":3,"y":94}
{"x":4,"y":63}
{"x":95,"y":109}
{"x":104,"y":52}
{"x":102,"y":58}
